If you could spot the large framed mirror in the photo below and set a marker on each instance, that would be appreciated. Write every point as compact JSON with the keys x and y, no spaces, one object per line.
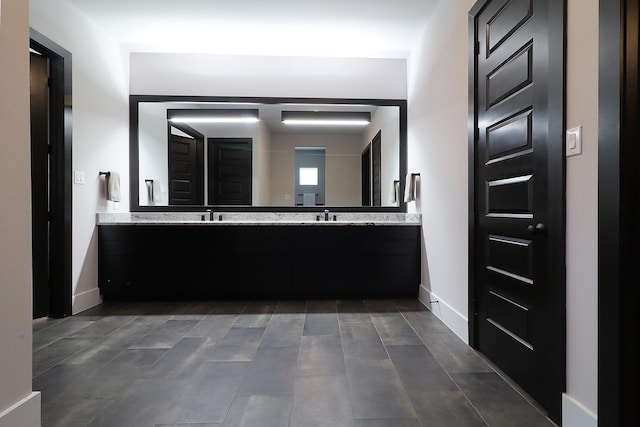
{"x":243,"y":154}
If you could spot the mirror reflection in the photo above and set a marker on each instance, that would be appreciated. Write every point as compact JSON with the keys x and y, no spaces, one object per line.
{"x":271,"y":154}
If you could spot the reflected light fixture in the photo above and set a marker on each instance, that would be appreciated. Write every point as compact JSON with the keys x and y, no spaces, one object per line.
{"x":213,"y":116}
{"x":326,"y":118}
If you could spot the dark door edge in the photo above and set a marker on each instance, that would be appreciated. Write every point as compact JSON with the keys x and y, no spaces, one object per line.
{"x":618,"y":210}
{"x":61,"y":130}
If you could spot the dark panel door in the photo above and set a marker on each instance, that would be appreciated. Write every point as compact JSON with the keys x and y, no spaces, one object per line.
{"x":519,"y":205}
{"x":376,"y":169}
{"x":185,"y":171}
{"x":230,"y":171}
{"x":366,"y":176}
{"x":40,"y":169}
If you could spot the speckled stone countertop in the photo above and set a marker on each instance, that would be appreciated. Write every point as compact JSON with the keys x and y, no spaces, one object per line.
{"x":257,"y":218}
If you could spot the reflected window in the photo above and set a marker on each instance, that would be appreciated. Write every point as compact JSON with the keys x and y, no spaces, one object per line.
{"x":308,"y":176}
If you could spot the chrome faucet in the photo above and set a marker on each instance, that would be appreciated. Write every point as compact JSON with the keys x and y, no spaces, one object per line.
{"x":326,"y":214}
{"x":210,"y":214}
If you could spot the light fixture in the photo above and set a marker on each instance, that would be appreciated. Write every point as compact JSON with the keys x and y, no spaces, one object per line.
{"x":213,"y":116}
{"x":326,"y":118}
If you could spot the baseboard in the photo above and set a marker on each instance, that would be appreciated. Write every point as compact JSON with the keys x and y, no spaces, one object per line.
{"x":458,"y":323}
{"x":86,"y":300}
{"x":576,"y":415}
{"x":25,"y":413}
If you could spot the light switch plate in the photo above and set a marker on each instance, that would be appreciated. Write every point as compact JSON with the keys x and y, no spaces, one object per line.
{"x":78,"y":177}
{"x":574,"y":141}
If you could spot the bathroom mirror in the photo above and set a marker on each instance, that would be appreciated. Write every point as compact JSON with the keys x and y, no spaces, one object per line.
{"x":187,"y":153}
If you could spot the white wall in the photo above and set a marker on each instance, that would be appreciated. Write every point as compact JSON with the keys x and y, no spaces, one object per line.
{"x":437,"y":133}
{"x":262,"y":159}
{"x":15,"y":219}
{"x":342,"y":167}
{"x":261,"y":76}
{"x":387,"y":120}
{"x":582,"y":206}
{"x":437,"y":149}
{"x":153,"y":151}
{"x":100,"y":129}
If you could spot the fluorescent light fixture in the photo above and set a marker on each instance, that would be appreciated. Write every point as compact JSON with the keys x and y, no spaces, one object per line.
{"x":326,"y":118}
{"x":213,"y":116}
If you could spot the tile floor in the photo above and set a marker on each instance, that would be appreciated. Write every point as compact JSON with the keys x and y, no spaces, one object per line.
{"x":339,"y":363}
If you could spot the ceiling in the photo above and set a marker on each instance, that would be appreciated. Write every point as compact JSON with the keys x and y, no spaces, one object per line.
{"x":336,"y":28}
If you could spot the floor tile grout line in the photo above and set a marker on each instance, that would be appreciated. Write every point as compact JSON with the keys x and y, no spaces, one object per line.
{"x":83,"y":349}
{"x":448,"y":373}
{"x":346,"y":376}
{"x":508,"y":381}
{"x":391,"y":360}
{"x":415,"y":325}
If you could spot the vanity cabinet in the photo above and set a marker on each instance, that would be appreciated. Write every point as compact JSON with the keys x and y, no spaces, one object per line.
{"x":155,"y":262}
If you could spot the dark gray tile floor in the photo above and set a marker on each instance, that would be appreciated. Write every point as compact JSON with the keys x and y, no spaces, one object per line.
{"x":340,"y":363}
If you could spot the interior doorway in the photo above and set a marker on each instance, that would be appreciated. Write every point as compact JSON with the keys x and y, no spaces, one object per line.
{"x":50,"y":77}
{"x":517,"y":192}
{"x":310,"y":176}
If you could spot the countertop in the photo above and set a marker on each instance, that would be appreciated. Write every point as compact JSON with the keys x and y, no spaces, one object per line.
{"x":257,"y":218}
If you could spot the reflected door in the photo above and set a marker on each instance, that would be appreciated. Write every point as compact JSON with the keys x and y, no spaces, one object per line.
{"x":230,"y":170}
{"x":186,"y":175}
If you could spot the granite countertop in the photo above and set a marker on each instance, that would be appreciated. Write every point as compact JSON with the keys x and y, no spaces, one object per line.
{"x":256,"y":218}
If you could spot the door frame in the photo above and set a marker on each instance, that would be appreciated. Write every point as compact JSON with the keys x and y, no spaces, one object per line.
{"x":556,"y":173}
{"x":618,"y":210}
{"x":61,"y":200}
{"x":366,"y":181}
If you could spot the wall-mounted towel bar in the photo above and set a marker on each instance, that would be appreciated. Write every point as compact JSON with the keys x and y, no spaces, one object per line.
{"x":104,"y":173}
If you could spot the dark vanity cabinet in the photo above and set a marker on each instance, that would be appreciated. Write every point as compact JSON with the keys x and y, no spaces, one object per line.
{"x":155,"y":262}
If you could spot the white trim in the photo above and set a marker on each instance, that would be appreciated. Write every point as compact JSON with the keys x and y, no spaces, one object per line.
{"x":25,"y":413}
{"x":86,"y":300}
{"x":576,"y":415}
{"x":458,"y":323}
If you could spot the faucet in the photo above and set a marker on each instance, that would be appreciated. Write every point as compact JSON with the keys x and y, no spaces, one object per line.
{"x":210,"y":214}
{"x":326,"y":214}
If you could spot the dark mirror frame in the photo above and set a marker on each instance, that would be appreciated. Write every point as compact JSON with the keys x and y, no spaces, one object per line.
{"x":134,"y":101}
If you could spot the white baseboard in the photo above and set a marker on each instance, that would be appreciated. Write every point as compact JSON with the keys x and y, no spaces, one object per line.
{"x":86,"y":300}
{"x":576,"y":415}
{"x":458,"y":323}
{"x":25,"y":413}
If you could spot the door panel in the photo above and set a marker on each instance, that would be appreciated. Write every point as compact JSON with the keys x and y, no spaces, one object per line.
{"x":186,"y":169}
{"x":518,"y":301}
{"x":230,"y":171}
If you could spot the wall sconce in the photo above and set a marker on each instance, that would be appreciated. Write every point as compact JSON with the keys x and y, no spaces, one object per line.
{"x":213,"y":116}
{"x":326,"y":118}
